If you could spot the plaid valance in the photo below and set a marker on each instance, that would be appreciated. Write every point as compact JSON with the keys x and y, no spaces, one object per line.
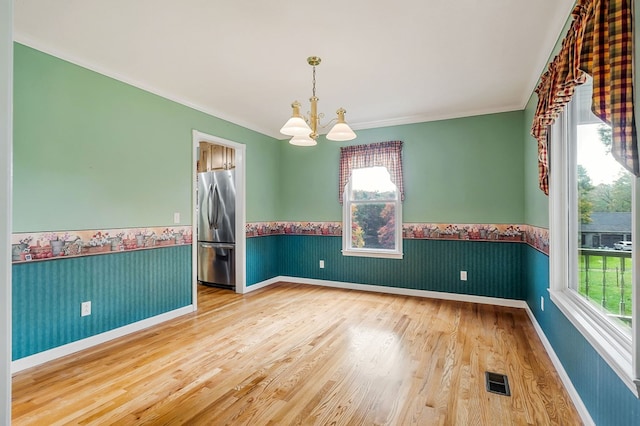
{"x":599,"y":43}
{"x":386,"y":154}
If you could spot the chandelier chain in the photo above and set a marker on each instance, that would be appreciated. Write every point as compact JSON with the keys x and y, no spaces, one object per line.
{"x":305,"y":129}
{"x":314,"y":81}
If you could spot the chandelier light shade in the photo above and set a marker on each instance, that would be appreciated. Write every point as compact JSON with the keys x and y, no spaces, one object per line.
{"x":302,"y":140}
{"x":305,"y":130}
{"x":296,"y":126}
{"x":341,"y":131}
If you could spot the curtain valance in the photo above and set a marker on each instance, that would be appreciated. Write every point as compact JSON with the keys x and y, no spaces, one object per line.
{"x":599,"y":43}
{"x":387,"y":154}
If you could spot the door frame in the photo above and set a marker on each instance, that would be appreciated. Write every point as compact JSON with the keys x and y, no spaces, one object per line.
{"x":241,"y":217}
{"x":6,"y":164}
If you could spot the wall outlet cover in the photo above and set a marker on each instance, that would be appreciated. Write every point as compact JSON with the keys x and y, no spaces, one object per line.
{"x":85,"y":309}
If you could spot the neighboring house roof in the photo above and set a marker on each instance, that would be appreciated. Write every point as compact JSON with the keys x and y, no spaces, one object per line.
{"x":619,"y":222}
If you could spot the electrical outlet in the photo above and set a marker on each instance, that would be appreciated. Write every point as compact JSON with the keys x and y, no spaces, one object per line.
{"x":322,"y":264}
{"x":542,"y":303}
{"x":463,"y":275}
{"x":176,"y":217}
{"x":85,"y":309}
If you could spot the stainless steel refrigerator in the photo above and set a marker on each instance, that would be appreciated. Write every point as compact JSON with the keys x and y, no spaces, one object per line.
{"x":216,"y":228}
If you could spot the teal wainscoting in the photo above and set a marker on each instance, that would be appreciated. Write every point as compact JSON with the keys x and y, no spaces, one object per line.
{"x":607,"y":398}
{"x":494,"y":268}
{"x":262,"y":258}
{"x":123,"y":288}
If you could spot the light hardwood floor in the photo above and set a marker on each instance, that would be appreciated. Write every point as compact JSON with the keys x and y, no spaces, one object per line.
{"x":297,"y":354}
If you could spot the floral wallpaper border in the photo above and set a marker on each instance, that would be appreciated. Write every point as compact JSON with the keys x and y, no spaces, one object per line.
{"x":258,"y":229}
{"x":33,"y":246}
{"x":536,"y":237}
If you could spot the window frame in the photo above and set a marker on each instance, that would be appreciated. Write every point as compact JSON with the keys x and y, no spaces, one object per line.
{"x":348,"y":202}
{"x":620,"y":351}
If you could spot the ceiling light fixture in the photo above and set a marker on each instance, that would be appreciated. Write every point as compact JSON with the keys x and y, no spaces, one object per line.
{"x":305,"y":130}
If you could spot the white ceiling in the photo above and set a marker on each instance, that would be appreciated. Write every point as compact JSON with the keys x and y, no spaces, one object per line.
{"x":385,"y":62}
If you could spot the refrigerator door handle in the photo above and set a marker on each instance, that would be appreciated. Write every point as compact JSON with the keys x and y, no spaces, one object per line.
{"x":209,"y":212}
{"x":216,"y":208}
{"x":218,"y":245}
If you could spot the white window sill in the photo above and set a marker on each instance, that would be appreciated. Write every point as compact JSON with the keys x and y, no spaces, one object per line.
{"x":611,"y":344}
{"x":373,"y":253}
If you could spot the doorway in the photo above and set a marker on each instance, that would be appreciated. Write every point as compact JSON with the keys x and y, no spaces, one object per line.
{"x":228,"y":154}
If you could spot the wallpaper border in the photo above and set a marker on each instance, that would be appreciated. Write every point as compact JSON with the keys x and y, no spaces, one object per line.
{"x":36,"y":246}
{"x":536,"y":237}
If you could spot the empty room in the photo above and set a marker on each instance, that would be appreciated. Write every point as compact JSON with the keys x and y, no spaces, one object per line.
{"x":273,"y":213}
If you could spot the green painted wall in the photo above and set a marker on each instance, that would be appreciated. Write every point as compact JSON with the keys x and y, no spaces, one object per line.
{"x":466,"y":170}
{"x":536,"y":203}
{"x":92,"y":152}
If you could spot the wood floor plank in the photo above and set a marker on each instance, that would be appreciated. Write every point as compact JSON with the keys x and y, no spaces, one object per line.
{"x":292,"y":354}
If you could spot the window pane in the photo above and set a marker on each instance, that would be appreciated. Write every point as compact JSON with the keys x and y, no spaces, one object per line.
{"x":371,"y":207}
{"x":372,"y":183}
{"x":604,"y":219}
{"x":373,"y":226}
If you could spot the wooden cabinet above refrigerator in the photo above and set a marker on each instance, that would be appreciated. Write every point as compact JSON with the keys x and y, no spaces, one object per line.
{"x":216,"y":157}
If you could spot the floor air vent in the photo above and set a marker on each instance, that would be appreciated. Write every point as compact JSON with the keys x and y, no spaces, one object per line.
{"x":497,"y":383}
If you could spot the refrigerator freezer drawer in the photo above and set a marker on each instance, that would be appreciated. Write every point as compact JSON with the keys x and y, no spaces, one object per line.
{"x":217,"y":264}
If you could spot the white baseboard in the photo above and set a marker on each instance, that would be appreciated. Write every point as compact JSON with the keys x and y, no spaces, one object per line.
{"x":403,"y":291}
{"x":79,"y":345}
{"x":564,"y":377}
{"x":262,"y":284}
{"x":49,"y":355}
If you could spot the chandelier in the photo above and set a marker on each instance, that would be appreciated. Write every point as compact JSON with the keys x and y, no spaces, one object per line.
{"x":305,"y":130}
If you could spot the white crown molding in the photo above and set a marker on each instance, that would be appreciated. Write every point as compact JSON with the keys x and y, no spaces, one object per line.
{"x":398,"y":121}
{"x":42,"y":47}
{"x":416,"y":119}
{"x":531,"y":79}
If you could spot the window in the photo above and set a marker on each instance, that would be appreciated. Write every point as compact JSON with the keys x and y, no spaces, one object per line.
{"x":371,"y":207}
{"x":591,"y":194}
{"x":371,"y":192}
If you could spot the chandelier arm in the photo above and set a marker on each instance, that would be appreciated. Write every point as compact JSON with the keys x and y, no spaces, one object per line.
{"x":312,"y":120}
{"x":329,"y":123}
{"x":320,"y":117}
{"x":307,"y":119}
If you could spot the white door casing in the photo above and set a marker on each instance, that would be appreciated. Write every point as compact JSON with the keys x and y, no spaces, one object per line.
{"x":241,"y":281}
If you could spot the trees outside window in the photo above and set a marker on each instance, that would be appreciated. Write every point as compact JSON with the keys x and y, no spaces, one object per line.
{"x":591,"y":262}
{"x":372,"y":211}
